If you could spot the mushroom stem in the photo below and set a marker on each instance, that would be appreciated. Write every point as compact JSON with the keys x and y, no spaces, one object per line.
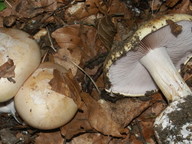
{"x":164,"y":73}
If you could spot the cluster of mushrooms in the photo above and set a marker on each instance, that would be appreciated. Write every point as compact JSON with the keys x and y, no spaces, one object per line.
{"x":27,"y":81}
{"x":148,"y":60}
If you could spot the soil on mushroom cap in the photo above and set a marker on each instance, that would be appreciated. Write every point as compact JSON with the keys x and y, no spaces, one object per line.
{"x":178,"y":118}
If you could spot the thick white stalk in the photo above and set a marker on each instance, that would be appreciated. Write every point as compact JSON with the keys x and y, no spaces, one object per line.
{"x":164,"y":73}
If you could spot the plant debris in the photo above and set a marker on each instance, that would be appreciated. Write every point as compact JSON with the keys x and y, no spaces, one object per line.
{"x":7,"y":70}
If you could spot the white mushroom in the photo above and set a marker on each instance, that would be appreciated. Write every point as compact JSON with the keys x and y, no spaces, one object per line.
{"x":151,"y":58}
{"x":20,"y":56}
{"x":39,"y":105}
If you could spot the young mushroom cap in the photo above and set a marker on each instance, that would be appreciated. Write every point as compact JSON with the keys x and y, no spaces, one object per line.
{"x":19,"y":57}
{"x":125,"y":68}
{"x":39,"y":105}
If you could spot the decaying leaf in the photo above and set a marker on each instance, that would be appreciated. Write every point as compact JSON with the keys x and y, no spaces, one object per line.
{"x":7,"y":70}
{"x":142,"y":127}
{"x":90,"y":138}
{"x":49,"y":138}
{"x":106,"y":31}
{"x":84,"y":9}
{"x":171,"y":3}
{"x":78,"y":125}
{"x":184,"y":6}
{"x":155,"y":5}
{"x":30,"y":8}
{"x":175,"y":28}
{"x":186,"y":72}
{"x":77,"y":44}
{"x":70,"y":47}
{"x":119,"y":8}
{"x":125,"y":110}
{"x":9,"y":20}
{"x":101,"y":120}
{"x":65,"y":84}
{"x":7,"y":136}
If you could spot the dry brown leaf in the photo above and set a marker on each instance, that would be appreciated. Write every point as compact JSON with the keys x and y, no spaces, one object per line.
{"x":185,"y":6}
{"x":70,"y":47}
{"x":186,"y":72}
{"x":117,"y":7}
{"x":142,"y":127}
{"x":7,"y":70}
{"x":9,"y":21}
{"x":81,"y":10}
{"x":65,"y":84}
{"x":29,"y":8}
{"x":106,"y":31}
{"x":77,"y":43}
{"x":90,"y":138}
{"x":155,"y":5}
{"x":7,"y":136}
{"x":88,"y":37}
{"x":176,"y":29}
{"x":172,"y":3}
{"x":49,"y":138}
{"x":125,"y":110}
{"x":146,"y":120}
{"x":101,"y":120}
{"x":91,"y":44}
{"x":78,"y":125}
{"x":6,"y":12}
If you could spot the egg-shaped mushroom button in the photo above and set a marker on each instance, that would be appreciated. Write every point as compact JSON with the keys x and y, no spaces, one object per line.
{"x":42,"y":107}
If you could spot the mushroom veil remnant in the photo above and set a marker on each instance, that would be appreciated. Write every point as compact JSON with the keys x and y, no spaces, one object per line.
{"x":150,"y":59}
{"x":19,"y":57}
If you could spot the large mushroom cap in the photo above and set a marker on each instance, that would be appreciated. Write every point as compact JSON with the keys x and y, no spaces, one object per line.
{"x":124,"y":72}
{"x":19,"y":57}
{"x":39,"y":105}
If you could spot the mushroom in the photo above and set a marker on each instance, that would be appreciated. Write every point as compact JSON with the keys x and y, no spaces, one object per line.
{"x":42,"y":107}
{"x":19,"y":57}
{"x":150,"y":59}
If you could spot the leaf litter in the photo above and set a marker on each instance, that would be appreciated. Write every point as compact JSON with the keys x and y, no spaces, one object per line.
{"x":81,"y":34}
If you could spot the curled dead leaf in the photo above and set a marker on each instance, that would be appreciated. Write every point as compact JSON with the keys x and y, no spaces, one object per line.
{"x":77,"y":44}
{"x":81,"y":10}
{"x":186,"y":72}
{"x":78,"y":125}
{"x":101,"y":120}
{"x":7,"y":70}
{"x":30,"y":8}
{"x":124,"y":110}
{"x":184,"y":6}
{"x":106,"y":31}
{"x":175,"y":28}
{"x":91,"y":138}
{"x":49,"y":138}
{"x":117,"y":7}
{"x":65,"y":84}
{"x":171,"y":3}
{"x":70,"y":47}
